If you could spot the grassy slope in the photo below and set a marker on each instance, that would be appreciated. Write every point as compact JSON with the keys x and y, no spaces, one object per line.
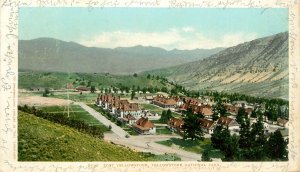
{"x":56,"y":80}
{"x":41,"y":140}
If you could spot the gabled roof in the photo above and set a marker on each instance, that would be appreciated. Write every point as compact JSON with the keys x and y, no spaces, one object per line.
{"x":206,"y":110}
{"x":129,"y":117}
{"x":226,"y":121}
{"x":176,"y":122}
{"x":143,"y":124}
{"x":205,"y":123}
{"x":282,"y":121}
{"x":163,"y":100}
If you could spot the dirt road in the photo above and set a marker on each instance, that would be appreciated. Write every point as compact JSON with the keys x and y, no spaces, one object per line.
{"x":145,"y":143}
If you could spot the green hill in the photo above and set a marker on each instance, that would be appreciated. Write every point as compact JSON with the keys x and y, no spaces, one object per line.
{"x":41,"y":140}
{"x":57,"y":80}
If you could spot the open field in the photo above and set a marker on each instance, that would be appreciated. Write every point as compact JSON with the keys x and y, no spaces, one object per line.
{"x":156,"y":109}
{"x":192,"y":146}
{"x":75,"y":112}
{"x":42,"y":101}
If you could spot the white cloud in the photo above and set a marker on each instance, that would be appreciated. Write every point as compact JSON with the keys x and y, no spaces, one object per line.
{"x":184,"y":38}
{"x":188,"y":29}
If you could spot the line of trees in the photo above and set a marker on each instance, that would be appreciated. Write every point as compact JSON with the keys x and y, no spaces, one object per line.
{"x":62,"y":119}
{"x":252,"y":144}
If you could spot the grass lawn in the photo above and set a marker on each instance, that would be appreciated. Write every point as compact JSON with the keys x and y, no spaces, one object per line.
{"x":163,"y":157}
{"x":130,"y":130}
{"x":193,"y":146}
{"x":76,"y":112}
{"x":156,"y":109}
{"x":157,"y":121}
{"x":152,"y":108}
{"x":163,"y":130}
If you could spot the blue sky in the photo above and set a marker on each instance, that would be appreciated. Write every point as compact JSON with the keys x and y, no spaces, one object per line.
{"x":162,"y":27}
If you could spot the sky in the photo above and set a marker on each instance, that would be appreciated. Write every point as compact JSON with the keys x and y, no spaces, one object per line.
{"x":159,"y":27}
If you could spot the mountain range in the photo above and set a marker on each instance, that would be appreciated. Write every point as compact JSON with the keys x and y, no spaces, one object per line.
{"x":50,"y":54}
{"x":258,"y":68}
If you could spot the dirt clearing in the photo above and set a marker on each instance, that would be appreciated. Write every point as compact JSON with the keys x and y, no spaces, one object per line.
{"x":42,"y":101}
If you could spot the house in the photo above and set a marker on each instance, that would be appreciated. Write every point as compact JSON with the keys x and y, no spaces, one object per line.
{"x":128,"y":119}
{"x":206,"y":110}
{"x":229,"y":123}
{"x":164,"y":102}
{"x":128,"y":108}
{"x":285,"y":133}
{"x":117,"y":107}
{"x":178,"y":100}
{"x":239,"y":103}
{"x":82,"y":89}
{"x":144,"y":126}
{"x":149,"y":99}
{"x":282,"y":122}
{"x":175,"y":124}
{"x":233,"y":110}
{"x":192,"y":101}
{"x":248,"y":111}
{"x":206,"y":125}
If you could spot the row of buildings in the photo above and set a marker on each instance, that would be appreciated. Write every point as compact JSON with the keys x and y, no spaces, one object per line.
{"x":126,"y":112}
{"x":176,"y":124}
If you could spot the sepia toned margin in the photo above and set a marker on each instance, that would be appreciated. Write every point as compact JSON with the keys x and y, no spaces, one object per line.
{"x":9,"y":89}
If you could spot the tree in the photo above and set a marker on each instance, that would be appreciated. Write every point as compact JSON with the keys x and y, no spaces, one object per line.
{"x":164,"y":89}
{"x":93,"y":89}
{"x":89,"y":84}
{"x":231,"y":145}
{"x":215,"y":116}
{"x":165,"y":116}
{"x":205,"y":155}
{"x":191,"y":127}
{"x":277,"y":147}
{"x":240,"y":117}
{"x":148,"y":76}
{"x":244,"y":141}
{"x":46,"y":92}
{"x":132,"y":94}
{"x":216,"y":137}
{"x":258,"y":140}
{"x":138,"y":89}
{"x":135,"y":75}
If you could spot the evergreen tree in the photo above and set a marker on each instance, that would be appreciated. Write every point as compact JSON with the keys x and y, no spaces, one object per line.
{"x":216,"y":137}
{"x":132,"y":94}
{"x":205,"y":155}
{"x":93,"y":89}
{"x":165,"y":116}
{"x":258,"y":140}
{"x":244,"y":141}
{"x":277,"y":147}
{"x":240,"y":117}
{"x":230,"y":146}
{"x":191,"y":127}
